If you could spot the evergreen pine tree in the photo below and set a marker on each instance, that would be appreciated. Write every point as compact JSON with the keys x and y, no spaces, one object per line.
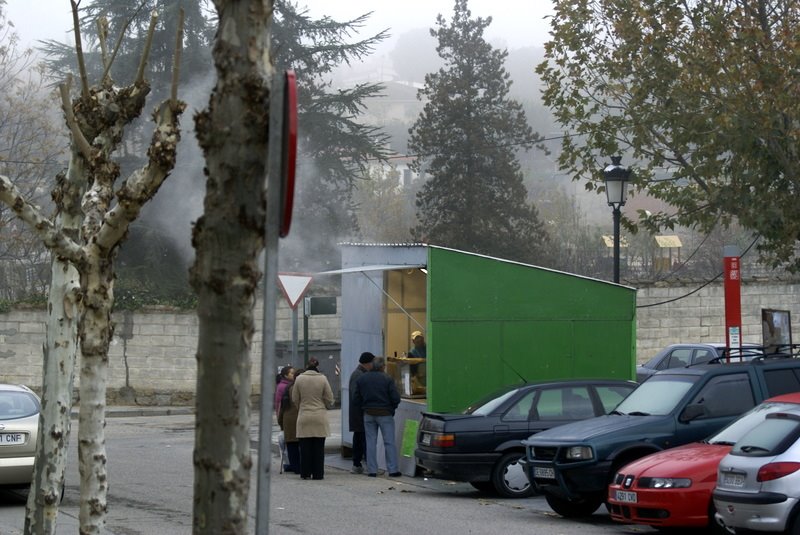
{"x":465,"y":141}
{"x":334,"y":148}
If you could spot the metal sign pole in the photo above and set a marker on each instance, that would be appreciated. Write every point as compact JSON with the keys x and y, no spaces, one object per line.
{"x":296,"y":362}
{"x":268,"y":361}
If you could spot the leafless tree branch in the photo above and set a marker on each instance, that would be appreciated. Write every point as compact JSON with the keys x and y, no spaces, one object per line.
{"x":146,"y":52}
{"x":53,"y":239}
{"x":79,"y":49}
{"x":176,"y":63}
{"x":119,"y":40}
{"x":66,"y":105}
{"x":102,"y":34}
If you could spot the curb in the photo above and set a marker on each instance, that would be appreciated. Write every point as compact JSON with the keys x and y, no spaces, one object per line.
{"x":143,"y":411}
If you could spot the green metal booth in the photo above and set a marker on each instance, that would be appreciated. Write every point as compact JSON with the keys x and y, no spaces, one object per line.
{"x":488,"y":322}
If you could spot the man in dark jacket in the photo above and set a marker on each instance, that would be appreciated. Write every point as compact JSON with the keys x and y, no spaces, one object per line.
{"x":377,"y":395}
{"x":356,"y":416}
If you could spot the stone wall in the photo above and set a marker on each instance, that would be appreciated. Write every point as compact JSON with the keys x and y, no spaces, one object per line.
{"x":152,"y":355}
{"x":700,"y":317}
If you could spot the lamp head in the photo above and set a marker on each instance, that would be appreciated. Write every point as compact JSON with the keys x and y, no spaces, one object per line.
{"x":616,"y":178}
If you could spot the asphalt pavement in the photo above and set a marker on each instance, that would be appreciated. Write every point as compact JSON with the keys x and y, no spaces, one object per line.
{"x":68,"y":524}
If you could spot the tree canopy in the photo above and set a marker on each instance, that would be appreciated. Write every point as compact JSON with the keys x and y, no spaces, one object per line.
{"x":701,"y":95}
{"x":31,"y":145}
{"x":465,"y":139}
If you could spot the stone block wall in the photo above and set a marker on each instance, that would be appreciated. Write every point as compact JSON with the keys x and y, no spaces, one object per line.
{"x":152,"y":355}
{"x":700,"y":317}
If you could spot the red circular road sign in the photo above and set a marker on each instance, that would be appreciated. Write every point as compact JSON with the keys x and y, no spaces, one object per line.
{"x":289,"y":152}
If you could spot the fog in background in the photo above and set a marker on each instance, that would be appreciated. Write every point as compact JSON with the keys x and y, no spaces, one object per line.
{"x":400,"y":62}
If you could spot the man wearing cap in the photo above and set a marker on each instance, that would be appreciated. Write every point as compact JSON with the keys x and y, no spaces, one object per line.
{"x":356,"y":415}
{"x":418,"y":351}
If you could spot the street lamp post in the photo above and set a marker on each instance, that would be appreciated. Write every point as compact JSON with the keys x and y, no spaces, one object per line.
{"x":616,"y":178}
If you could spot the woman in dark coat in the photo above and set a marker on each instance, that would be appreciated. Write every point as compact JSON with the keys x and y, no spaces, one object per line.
{"x":287,"y":420}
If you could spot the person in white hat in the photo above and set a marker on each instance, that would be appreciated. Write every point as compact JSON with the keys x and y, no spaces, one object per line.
{"x":418,"y":351}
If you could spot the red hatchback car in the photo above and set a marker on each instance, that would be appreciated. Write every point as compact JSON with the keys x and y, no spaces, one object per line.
{"x":672,"y":488}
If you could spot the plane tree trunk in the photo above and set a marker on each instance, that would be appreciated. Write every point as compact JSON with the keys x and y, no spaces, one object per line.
{"x":228,"y":239}
{"x":96,"y":119}
{"x":60,"y":351}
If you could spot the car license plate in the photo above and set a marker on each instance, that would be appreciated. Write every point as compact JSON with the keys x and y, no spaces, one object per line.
{"x":12,"y":438}
{"x":426,"y":439}
{"x":625,"y":496}
{"x":544,"y":472}
{"x":732,"y":480}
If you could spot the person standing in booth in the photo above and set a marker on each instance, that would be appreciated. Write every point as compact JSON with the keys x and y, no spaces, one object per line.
{"x":418,"y":351}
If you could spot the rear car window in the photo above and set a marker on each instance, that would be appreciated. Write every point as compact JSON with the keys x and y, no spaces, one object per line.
{"x":521,"y":410}
{"x":771,"y":437}
{"x":742,"y":425}
{"x":17,"y":405}
{"x":488,"y":405}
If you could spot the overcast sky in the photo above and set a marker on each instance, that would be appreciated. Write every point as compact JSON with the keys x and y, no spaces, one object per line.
{"x":516,"y":23}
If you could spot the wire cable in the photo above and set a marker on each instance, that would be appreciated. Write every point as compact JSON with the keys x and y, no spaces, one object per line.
{"x":702,"y":285}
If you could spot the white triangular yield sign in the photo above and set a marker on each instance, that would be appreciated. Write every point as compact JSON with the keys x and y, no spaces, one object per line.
{"x":294,"y":286}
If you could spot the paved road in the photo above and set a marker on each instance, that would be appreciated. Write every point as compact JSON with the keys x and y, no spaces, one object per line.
{"x":150,"y":474}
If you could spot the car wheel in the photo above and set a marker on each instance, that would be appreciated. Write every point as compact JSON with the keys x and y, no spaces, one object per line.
{"x":574,"y":509}
{"x":509,"y":478}
{"x":487,"y":487}
{"x":795,"y":529}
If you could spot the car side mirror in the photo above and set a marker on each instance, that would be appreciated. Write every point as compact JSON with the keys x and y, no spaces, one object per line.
{"x":692,"y":412}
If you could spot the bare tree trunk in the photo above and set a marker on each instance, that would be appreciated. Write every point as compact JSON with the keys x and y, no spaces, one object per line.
{"x":96,"y":121}
{"x":96,"y":332}
{"x":228,"y":239}
{"x":58,"y":372}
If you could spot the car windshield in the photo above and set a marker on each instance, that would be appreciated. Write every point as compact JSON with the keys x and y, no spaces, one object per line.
{"x":657,"y":396}
{"x":488,"y":404}
{"x":730,"y":434}
{"x":15,"y":405}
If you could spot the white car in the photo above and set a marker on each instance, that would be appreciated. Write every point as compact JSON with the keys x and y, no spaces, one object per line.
{"x":19,"y":425}
{"x":758,"y":482}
